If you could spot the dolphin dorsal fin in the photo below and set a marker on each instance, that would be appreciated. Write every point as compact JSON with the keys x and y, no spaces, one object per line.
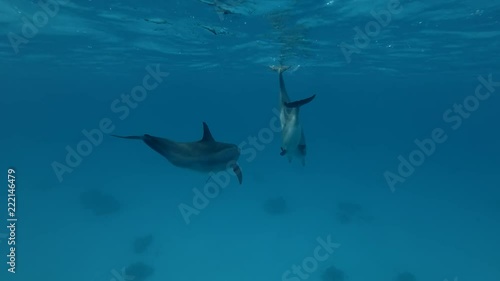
{"x":207,"y":136}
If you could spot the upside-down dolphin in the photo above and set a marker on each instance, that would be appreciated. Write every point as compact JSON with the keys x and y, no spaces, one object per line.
{"x":205,"y":155}
{"x":293,"y":142}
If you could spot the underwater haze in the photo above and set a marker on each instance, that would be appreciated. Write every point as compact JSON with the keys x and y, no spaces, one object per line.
{"x":399,"y":180}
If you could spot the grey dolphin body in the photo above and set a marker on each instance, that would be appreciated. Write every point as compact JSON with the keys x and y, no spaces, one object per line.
{"x":293,"y":142}
{"x":206,"y":155}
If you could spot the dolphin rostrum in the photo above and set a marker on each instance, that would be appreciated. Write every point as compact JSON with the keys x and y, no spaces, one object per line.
{"x":206,"y":155}
{"x":293,"y":142}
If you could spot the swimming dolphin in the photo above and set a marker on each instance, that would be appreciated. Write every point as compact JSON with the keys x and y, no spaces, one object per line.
{"x":206,"y":155}
{"x":293,"y":142}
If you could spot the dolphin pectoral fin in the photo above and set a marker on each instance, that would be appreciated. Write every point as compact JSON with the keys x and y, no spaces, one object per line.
{"x":237,"y":171}
{"x":302,"y":149}
{"x":283,"y":152}
{"x":299,"y":103}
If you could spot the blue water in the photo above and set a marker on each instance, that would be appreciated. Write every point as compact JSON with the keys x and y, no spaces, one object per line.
{"x":403,"y":156}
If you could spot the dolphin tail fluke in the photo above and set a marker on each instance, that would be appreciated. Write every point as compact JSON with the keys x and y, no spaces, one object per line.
{"x":279,"y":68}
{"x":129,"y":137}
{"x":299,"y":103}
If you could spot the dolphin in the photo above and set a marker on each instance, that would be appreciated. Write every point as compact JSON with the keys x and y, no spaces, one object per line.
{"x":293,"y":142}
{"x":205,"y":155}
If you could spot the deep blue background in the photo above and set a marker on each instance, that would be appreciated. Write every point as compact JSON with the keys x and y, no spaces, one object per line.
{"x":441,"y":223}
